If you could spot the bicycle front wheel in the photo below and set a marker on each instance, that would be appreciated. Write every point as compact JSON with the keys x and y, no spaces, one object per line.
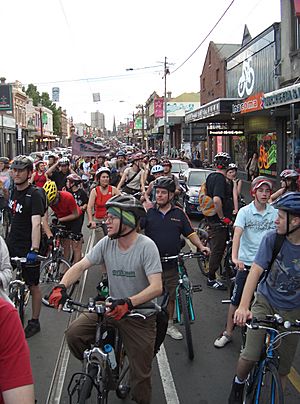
{"x":88,"y":392}
{"x":184,"y":303}
{"x":52,"y":272}
{"x":17,"y":297}
{"x":268,"y":390}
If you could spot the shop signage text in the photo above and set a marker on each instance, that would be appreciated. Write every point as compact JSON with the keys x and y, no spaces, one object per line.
{"x":5,"y":97}
{"x":204,"y":112}
{"x":250,"y":104}
{"x":225,"y":132}
{"x":286,"y":95}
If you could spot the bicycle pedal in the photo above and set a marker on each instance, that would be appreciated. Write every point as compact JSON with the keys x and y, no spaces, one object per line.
{"x":197,"y":288}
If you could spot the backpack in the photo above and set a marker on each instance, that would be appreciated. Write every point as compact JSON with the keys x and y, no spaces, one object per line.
{"x":206,"y":202}
{"x":276,"y":250}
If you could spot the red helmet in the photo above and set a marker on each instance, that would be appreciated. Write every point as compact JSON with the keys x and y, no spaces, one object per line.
{"x":289,"y":174}
{"x":258,"y":182}
{"x":74,"y":178}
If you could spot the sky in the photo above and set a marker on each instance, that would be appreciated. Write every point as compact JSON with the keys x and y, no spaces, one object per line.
{"x":85,"y":47}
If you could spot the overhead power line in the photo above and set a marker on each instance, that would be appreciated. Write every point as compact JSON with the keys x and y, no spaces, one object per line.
{"x":201,"y":43}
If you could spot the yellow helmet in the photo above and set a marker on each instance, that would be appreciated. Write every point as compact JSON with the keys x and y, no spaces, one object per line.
{"x":50,"y":189}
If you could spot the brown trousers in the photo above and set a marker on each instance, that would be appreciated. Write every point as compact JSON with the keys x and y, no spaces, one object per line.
{"x":138,"y":336}
{"x":218,"y":237}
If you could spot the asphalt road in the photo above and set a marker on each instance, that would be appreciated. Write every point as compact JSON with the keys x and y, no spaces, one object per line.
{"x":176,"y":379}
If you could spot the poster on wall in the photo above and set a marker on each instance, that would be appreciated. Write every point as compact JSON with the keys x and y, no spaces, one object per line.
{"x":267,"y":154}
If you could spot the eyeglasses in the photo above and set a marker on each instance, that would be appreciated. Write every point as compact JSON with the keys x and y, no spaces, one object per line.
{"x":110,"y":219}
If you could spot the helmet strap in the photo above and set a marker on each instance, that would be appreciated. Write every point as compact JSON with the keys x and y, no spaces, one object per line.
{"x":118,"y":234}
{"x":288,"y":232}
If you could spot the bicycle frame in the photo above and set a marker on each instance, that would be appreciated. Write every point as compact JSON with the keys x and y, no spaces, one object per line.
{"x":184,"y":283}
{"x":270,"y":356}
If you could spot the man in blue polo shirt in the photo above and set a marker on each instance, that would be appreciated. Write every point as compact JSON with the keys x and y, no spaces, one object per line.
{"x":164,"y":224}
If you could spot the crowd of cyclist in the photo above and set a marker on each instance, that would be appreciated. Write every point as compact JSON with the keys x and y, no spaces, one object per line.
{"x":120,"y":196}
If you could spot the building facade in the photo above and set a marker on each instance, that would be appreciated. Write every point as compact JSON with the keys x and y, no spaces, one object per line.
{"x":98,"y":120}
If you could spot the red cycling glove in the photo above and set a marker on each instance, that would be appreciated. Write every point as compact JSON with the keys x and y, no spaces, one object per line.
{"x":119,"y":308}
{"x":226,"y":221}
{"x":58,"y":296}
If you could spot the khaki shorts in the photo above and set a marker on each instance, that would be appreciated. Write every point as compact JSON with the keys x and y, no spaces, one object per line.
{"x":170,"y":281}
{"x":255,"y":338}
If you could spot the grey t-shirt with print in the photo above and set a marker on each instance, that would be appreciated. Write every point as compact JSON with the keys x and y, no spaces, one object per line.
{"x":127,"y":271}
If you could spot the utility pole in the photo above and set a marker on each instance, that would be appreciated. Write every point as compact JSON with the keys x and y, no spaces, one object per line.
{"x":166,"y":136}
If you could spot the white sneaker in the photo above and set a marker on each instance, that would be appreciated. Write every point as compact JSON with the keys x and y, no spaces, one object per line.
{"x":223,"y":340}
{"x":173,"y":332}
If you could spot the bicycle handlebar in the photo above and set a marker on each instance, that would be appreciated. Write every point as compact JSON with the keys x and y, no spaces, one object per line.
{"x":102,"y":307}
{"x":182,"y":256}
{"x":23,"y":260}
{"x":274,"y":320}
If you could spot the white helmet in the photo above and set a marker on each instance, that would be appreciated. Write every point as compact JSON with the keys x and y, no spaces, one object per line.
{"x":64,"y":161}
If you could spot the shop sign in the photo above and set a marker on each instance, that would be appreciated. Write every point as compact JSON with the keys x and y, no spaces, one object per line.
{"x":267,"y":153}
{"x":247,"y":79}
{"x":250,"y":104}
{"x":158,"y":107}
{"x":225,"y":132}
{"x":5,"y":97}
{"x":8,"y":122}
{"x":181,"y":108}
{"x":204,"y":112}
{"x":286,"y":95}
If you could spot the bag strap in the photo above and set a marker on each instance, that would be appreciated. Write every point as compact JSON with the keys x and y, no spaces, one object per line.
{"x":276,"y":250}
{"x":131,"y":179}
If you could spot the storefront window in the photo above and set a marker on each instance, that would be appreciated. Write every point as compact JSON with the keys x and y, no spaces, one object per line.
{"x":267,"y":153}
{"x":293,"y":148}
{"x":239,"y":151}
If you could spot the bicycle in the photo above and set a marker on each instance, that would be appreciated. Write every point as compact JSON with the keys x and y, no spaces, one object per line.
{"x":263,"y":383}
{"x":226,"y":270}
{"x":19,"y":292}
{"x":103,"y":370}
{"x":184,"y":302}
{"x":101,"y":224}
{"x":55,"y":265}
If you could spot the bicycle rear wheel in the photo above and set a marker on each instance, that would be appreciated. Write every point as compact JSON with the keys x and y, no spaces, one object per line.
{"x":186,"y":321}
{"x":268,"y":391}
{"x":52,"y":272}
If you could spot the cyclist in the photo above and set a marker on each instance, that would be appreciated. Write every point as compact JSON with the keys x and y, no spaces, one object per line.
{"x":5,"y":270}
{"x":27,"y":206}
{"x":133,"y":180}
{"x":149,"y":196}
{"x":16,"y":382}
{"x":69,"y":214}
{"x":164,"y":224}
{"x":288,"y":182}
{"x":251,"y":224}
{"x":231,"y":174}
{"x":39,"y":176}
{"x":276,"y":293}
{"x":153,"y":161}
{"x":134,"y":274}
{"x":5,"y":181}
{"x":59,"y":171}
{"x":85,"y":171}
{"x":97,"y":200}
{"x":221,"y":193}
{"x":167,"y":165}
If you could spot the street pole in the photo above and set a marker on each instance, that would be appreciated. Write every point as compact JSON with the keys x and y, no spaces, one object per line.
{"x":292,"y":120}
{"x":143,"y":129}
{"x":166,"y":137}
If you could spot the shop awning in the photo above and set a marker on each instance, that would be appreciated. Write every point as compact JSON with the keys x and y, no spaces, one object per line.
{"x":297,"y":7}
{"x":215,"y":110}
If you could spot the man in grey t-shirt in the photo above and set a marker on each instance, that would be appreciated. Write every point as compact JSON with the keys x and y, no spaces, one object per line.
{"x":134,"y":274}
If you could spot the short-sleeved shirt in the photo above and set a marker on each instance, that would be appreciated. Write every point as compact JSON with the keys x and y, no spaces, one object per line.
{"x":282,"y":286}
{"x":216,"y":185}
{"x":80,"y":197}
{"x":23,"y":205}
{"x":66,"y":205}
{"x":165,"y":230}
{"x":15,"y":370}
{"x":60,"y":178}
{"x":255,"y":225}
{"x":127,"y":270}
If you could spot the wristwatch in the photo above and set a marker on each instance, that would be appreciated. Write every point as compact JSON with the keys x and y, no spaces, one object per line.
{"x":35,"y":250}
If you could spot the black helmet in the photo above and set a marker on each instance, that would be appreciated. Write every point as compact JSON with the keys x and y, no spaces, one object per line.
{"x":21,"y":162}
{"x":222,"y":160}
{"x":165,"y":183}
{"x":290,"y":202}
{"x":128,"y":203}
{"x":120,"y":153}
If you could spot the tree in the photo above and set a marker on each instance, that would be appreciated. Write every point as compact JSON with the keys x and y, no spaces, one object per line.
{"x":45,"y":100}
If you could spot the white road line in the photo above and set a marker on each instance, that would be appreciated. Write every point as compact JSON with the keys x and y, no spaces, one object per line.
{"x":166,"y":377}
{"x":61,"y":366}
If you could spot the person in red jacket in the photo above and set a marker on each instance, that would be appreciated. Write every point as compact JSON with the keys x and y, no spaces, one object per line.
{"x":68,"y":213}
{"x":16,"y":382}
